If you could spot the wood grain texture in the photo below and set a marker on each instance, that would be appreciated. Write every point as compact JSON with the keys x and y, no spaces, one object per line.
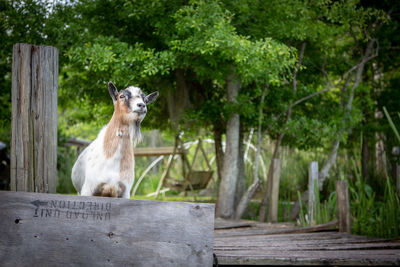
{"x":316,"y":248}
{"x":34,"y":118}
{"x":398,"y":177}
{"x":274,"y":198}
{"x":312,"y":183}
{"x":343,"y":206}
{"x":58,"y":230}
{"x":248,"y":228}
{"x":155,"y":151}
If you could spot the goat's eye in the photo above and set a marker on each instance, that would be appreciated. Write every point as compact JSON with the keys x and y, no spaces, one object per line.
{"x":121,"y":96}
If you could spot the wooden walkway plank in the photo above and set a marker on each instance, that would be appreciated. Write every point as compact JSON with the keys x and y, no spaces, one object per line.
{"x":259,"y":230}
{"x":242,"y":247}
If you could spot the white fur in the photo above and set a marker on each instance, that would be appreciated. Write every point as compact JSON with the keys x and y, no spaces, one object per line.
{"x":93,"y":167}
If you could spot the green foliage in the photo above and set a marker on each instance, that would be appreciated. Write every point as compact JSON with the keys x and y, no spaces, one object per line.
{"x":324,"y":211}
{"x":370,"y":215}
{"x":392,"y":124}
{"x":24,"y":22}
{"x":212,"y":47}
{"x":65,"y":161}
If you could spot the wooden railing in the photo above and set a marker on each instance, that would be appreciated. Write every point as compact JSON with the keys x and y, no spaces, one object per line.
{"x":138,"y":151}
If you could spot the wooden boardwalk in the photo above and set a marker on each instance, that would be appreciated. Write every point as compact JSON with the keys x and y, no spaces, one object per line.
{"x":251,"y":243}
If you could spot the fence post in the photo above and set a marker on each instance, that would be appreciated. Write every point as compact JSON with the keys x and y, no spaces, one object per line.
{"x":274,"y":198}
{"x":398,"y":177}
{"x":312,"y":183}
{"x":396,"y":155}
{"x":343,"y":206}
{"x":34,"y":118}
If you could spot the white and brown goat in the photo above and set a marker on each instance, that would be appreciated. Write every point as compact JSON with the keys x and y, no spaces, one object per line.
{"x":106,"y":166}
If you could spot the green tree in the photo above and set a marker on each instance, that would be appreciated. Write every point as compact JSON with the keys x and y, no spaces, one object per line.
{"x":204,"y":52}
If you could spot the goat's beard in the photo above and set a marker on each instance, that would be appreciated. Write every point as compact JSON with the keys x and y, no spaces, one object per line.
{"x":137,"y":116}
{"x":137,"y":134}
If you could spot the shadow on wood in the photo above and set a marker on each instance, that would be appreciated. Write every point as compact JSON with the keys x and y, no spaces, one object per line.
{"x":54,"y":230}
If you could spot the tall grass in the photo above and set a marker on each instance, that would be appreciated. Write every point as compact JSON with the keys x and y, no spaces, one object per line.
{"x":371,"y":216}
{"x":324,"y":211}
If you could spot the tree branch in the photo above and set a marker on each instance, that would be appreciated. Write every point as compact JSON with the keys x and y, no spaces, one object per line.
{"x":364,"y":60}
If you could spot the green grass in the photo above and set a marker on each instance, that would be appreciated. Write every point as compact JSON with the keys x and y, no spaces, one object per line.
{"x":373,"y":216}
{"x":324,"y":211}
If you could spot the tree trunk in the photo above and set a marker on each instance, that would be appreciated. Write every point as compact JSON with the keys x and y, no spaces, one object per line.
{"x":219,"y":153}
{"x":227,"y":188}
{"x":248,"y":195}
{"x":241,"y":183}
{"x":178,"y":100}
{"x":265,"y":201}
{"x":365,"y":158}
{"x":323,"y":174}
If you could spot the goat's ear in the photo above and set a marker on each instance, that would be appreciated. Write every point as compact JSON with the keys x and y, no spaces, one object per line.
{"x":151,"y":98}
{"x":113,"y":91}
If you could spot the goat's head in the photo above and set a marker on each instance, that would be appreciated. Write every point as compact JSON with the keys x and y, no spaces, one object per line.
{"x":130,"y":104}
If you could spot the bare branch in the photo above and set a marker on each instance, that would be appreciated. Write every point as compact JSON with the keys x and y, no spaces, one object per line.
{"x":367,"y":57}
{"x":294,"y":80}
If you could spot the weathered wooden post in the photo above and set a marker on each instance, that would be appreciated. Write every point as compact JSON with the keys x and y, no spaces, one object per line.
{"x":274,"y":197}
{"x":312,"y":187}
{"x":398,"y":177}
{"x":343,"y":206}
{"x":34,"y":118}
{"x":396,"y":154}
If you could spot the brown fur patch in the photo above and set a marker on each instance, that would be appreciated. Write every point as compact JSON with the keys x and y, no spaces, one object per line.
{"x":118,"y":123}
{"x":126,"y":164}
{"x":121,"y":189}
{"x":110,"y":142}
{"x":105,"y":190}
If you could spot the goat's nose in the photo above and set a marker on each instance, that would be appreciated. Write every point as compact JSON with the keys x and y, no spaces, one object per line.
{"x":141,"y":105}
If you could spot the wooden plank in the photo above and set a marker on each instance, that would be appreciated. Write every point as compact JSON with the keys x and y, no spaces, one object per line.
{"x":34,"y":118}
{"x":343,"y":206}
{"x":306,"y":241}
{"x":76,"y":142}
{"x":274,"y":198}
{"x":312,"y":184}
{"x":57,"y":230}
{"x":154,"y":151}
{"x":323,"y":248}
{"x":291,"y":230}
{"x":346,"y":258}
{"x":220,"y":223}
{"x":138,"y":151}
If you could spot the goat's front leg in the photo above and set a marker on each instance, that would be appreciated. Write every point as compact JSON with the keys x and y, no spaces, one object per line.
{"x":127,"y":194}
{"x":86,"y":191}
